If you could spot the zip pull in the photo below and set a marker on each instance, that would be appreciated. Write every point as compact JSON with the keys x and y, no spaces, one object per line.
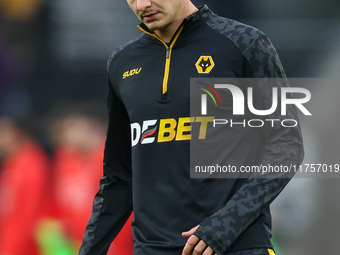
{"x":167,"y":53}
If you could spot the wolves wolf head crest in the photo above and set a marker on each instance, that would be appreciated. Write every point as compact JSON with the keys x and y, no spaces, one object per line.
{"x":204,"y":64}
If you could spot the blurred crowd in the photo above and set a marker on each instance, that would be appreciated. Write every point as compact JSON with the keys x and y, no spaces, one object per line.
{"x":45,"y":199}
{"x":49,"y":167}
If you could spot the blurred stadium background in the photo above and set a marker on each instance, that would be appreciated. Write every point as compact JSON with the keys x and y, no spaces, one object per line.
{"x":53,"y":61}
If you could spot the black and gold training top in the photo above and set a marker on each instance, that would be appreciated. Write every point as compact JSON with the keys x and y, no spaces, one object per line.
{"x":147,"y":153}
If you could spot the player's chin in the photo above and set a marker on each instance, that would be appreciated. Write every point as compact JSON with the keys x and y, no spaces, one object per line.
{"x":153,"y":26}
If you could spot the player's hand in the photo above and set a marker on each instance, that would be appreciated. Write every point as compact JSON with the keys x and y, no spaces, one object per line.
{"x":195,"y":244}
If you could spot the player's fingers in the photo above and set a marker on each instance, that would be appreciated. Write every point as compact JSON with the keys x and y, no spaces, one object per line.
{"x":208,"y":251}
{"x":190,"y":244}
{"x":190,"y":232}
{"x":200,"y":248}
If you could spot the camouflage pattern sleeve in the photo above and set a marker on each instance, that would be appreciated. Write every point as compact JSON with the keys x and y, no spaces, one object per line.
{"x":282,"y":146}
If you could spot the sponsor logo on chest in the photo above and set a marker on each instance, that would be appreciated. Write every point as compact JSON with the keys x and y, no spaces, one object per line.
{"x":131,"y":72}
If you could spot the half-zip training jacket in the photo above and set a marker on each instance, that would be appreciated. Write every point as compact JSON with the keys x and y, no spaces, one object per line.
{"x":147,"y":152}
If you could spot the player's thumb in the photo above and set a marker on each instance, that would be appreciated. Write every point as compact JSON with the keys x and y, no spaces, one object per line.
{"x":190,"y":232}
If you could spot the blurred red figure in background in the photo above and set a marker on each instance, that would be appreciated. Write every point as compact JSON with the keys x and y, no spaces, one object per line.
{"x":23,"y":173}
{"x":79,"y":138}
{"x":77,"y":166}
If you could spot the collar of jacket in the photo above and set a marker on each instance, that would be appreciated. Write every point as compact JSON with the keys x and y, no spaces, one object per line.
{"x":201,"y":13}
